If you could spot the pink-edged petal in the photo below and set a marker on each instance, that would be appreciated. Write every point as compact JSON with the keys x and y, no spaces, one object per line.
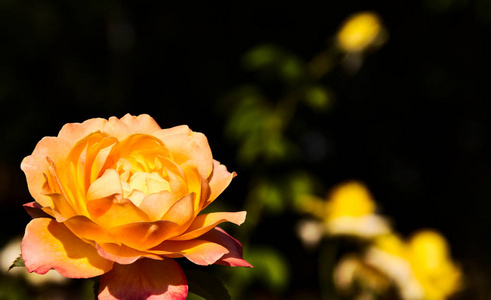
{"x":145,"y":235}
{"x":106,"y":185}
{"x":123,"y":254}
{"x":35,"y":210}
{"x":85,"y":228}
{"x":219,"y":181}
{"x":145,"y":279}
{"x":206,"y":222}
{"x":199,"y":252}
{"x":234,"y":257}
{"x":48,"y":244}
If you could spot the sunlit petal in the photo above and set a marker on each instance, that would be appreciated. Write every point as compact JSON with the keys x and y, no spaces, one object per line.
{"x":204,"y":223}
{"x":48,"y":244}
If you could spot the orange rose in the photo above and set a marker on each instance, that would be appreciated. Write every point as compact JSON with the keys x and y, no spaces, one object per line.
{"x":120,"y":198}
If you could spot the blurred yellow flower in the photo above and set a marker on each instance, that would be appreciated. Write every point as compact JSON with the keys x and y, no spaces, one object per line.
{"x":352,"y":276}
{"x":433,"y":266}
{"x":349,"y":210}
{"x":361,"y":31}
{"x":421,"y":268}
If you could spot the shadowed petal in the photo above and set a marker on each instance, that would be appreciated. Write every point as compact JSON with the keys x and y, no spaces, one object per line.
{"x":123,"y":254}
{"x":234,"y":257}
{"x":145,"y":235}
{"x":35,"y":210}
{"x":198,"y":251}
{"x":85,"y":228}
{"x":48,"y":244}
{"x":204,"y":223}
{"x":145,"y":279}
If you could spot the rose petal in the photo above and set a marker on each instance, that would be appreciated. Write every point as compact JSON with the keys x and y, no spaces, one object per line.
{"x":102,"y":159}
{"x":111,"y":212}
{"x":73,"y":132}
{"x":48,"y":244}
{"x":85,"y":228}
{"x":139,"y":124}
{"x":156,"y":205}
{"x":36,"y":166}
{"x":234,"y":257}
{"x":193,"y":183}
{"x":81,"y":157}
{"x":35,"y":210}
{"x":204,"y":223}
{"x":108,"y":184}
{"x":219,"y":181}
{"x":123,"y":254}
{"x":182,"y":212}
{"x":145,"y":235}
{"x":61,"y":208}
{"x":145,"y":279}
{"x":186,"y":146}
{"x":197,"y":251}
{"x":163,"y":133}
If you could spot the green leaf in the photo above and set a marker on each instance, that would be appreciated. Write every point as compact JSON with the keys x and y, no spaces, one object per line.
{"x":270,"y":195}
{"x":19,"y":262}
{"x":96,"y":286}
{"x":270,"y":267}
{"x":262,"y":56}
{"x":206,"y":285}
{"x":318,"y":98}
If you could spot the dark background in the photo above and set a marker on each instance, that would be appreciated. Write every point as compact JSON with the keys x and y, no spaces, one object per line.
{"x":413,"y":123}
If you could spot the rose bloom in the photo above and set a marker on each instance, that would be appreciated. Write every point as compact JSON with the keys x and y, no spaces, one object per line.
{"x":121,"y":198}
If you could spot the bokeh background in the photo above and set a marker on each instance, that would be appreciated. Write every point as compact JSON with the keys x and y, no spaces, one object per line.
{"x":411,"y":121}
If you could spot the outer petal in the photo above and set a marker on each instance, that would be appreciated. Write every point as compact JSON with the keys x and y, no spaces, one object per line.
{"x":73,"y":132}
{"x":198,"y":251}
{"x":35,"y":210}
{"x":48,"y":244}
{"x":234,"y":257}
{"x":219,"y":181}
{"x":204,"y":223}
{"x":186,"y":146}
{"x":145,"y":279}
{"x":122,"y":254}
{"x":130,"y":125}
{"x":35,"y":166}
